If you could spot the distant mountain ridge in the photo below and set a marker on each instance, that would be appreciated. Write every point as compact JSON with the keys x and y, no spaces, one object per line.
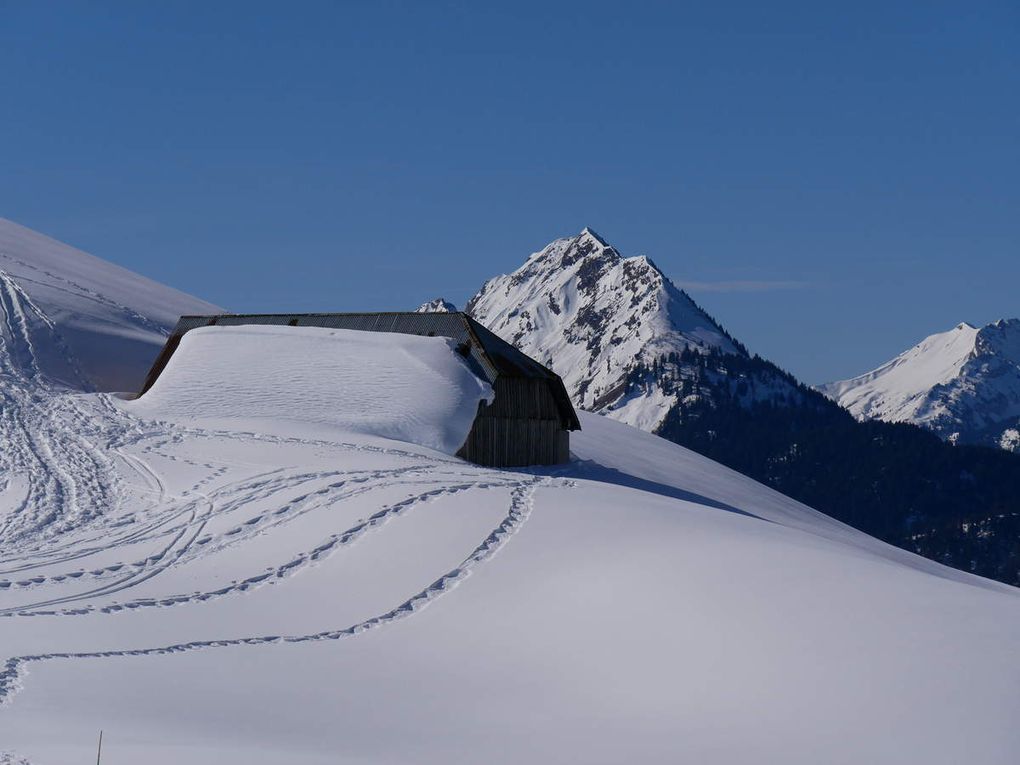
{"x":963,"y":385}
{"x":437,"y":305}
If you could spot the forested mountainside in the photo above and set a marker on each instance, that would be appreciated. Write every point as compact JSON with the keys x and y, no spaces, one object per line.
{"x":959,"y":505}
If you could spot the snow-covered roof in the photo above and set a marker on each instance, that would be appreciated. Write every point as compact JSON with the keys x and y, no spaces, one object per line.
{"x":493,"y":356}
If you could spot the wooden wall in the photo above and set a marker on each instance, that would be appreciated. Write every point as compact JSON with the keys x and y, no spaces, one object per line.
{"x":521,"y":427}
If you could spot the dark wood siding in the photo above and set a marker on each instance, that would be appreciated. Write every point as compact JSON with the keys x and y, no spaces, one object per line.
{"x":521,"y":427}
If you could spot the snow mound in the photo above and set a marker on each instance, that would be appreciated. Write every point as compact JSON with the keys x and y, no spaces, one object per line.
{"x":399,"y":387}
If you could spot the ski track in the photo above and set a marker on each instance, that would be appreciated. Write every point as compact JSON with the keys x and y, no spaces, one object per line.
{"x":73,"y":288}
{"x":93,"y":488}
{"x":521,"y":505}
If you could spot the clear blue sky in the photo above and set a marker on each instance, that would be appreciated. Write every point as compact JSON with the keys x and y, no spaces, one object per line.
{"x":859,"y":160}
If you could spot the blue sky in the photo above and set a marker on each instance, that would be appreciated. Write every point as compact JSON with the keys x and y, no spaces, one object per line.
{"x":835,"y":181}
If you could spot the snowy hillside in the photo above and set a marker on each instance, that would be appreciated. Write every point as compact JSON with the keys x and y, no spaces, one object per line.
{"x":595,"y":317}
{"x":78,"y":320}
{"x":963,"y":384}
{"x":221,"y":579}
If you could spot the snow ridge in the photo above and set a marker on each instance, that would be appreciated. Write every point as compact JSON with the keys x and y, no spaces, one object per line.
{"x":595,"y":316}
{"x":963,"y":384}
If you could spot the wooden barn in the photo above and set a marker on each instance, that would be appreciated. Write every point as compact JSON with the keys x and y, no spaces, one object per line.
{"x":528,"y":422}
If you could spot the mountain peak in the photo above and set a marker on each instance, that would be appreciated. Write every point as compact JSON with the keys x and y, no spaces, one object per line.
{"x":590,"y":232}
{"x":963,"y":384}
{"x":436,"y":305}
{"x":1006,"y":324}
{"x":594,"y":316}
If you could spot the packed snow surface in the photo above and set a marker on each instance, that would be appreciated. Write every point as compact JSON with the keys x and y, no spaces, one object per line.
{"x":211,"y":582}
{"x":302,"y":379}
{"x":963,"y":384}
{"x":92,"y":324}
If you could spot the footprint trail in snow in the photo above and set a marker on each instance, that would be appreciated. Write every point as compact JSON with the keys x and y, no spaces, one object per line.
{"x":104,"y":516}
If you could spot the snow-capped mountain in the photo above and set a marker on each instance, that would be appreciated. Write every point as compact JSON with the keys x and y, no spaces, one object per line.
{"x":78,"y":321}
{"x":963,"y":384}
{"x":439,"y":305}
{"x":613,"y":327}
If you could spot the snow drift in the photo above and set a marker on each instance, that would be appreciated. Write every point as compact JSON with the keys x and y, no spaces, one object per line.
{"x":310,"y":379}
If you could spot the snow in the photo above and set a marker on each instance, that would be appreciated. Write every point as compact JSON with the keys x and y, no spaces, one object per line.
{"x":272,"y":557}
{"x":401,"y":387}
{"x":964,"y":384}
{"x":262,"y":583}
{"x":1010,"y":440}
{"x":590,"y":314}
{"x":112,"y":321}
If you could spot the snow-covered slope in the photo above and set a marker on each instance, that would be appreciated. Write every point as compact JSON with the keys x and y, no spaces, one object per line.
{"x":77,"y":319}
{"x":594,"y":316}
{"x":224,"y":589}
{"x":963,"y":384}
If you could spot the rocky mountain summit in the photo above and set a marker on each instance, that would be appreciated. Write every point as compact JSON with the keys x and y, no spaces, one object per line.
{"x":621,"y":335}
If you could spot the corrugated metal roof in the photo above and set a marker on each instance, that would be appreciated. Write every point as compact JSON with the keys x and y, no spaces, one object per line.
{"x":492,"y":355}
